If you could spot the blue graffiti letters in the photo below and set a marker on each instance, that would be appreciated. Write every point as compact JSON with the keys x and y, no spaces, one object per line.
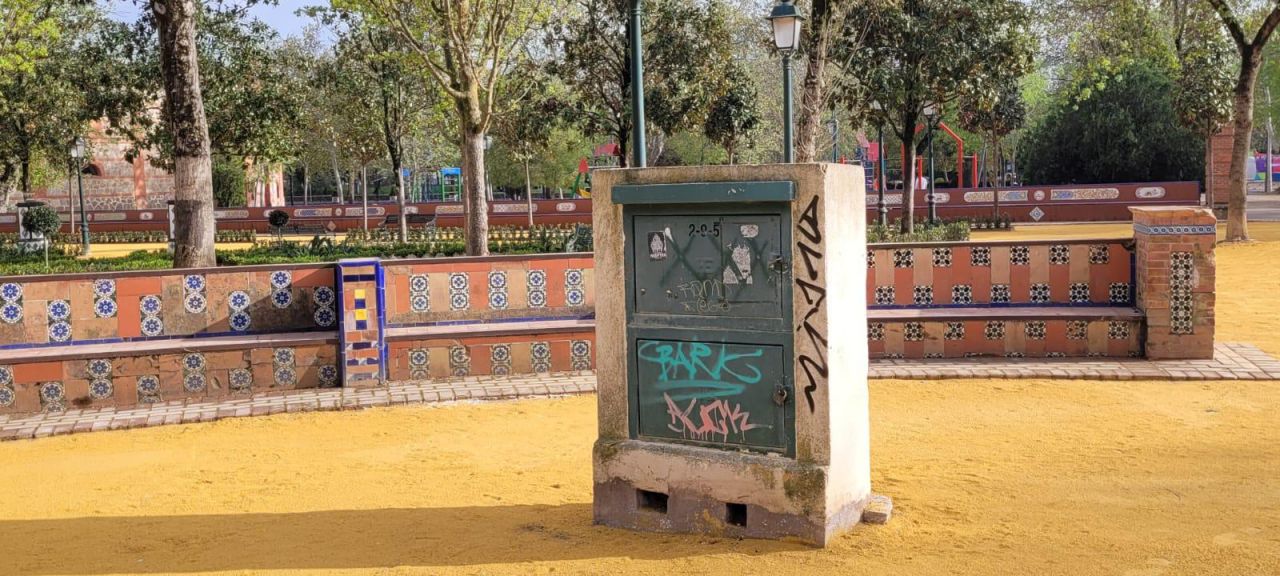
{"x":700,"y":370}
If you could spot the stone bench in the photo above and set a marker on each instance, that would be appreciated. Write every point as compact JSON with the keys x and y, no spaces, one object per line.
{"x":1014,"y":331}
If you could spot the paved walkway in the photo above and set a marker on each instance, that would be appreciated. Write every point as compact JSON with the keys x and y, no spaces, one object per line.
{"x":1233,"y":362}
{"x":1264,"y":208}
{"x":1230,"y":362}
{"x":323,"y":399}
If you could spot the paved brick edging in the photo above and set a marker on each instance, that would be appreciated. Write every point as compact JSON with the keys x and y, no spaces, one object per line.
{"x":327,"y":399}
{"x":1230,"y":362}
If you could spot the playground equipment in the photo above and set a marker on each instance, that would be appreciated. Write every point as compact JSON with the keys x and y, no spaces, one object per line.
{"x":604,"y":156}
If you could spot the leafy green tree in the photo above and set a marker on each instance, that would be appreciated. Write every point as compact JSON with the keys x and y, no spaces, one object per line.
{"x":928,"y":52}
{"x":47,"y":101}
{"x":378,"y":61}
{"x":226,"y":91}
{"x":825,"y":21}
{"x":685,"y":47}
{"x":466,"y":47}
{"x":531,"y":113}
{"x":1127,"y":131}
{"x":188,"y":129}
{"x":995,"y":118}
{"x":1202,"y":91}
{"x":29,"y":28}
{"x":734,"y":116}
{"x":1250,"y":50}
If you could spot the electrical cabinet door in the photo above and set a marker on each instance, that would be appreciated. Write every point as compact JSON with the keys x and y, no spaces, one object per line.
{"x":728,"y":265}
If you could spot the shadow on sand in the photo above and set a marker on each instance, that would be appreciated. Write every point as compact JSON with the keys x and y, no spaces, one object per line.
{"x":339,"y":539}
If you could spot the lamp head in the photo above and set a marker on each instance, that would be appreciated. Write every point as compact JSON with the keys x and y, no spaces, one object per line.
{"x":77,"y":148}
{"x":786,"y":21}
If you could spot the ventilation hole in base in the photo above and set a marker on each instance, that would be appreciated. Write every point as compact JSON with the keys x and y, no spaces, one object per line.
{"x":655,"y":501}
{"x":735,"y":514}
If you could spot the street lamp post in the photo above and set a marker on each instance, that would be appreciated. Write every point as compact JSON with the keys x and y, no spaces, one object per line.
{"x":786,"y":36}
{"x":931,"y":115}
{"x":638,"y":152}
{"x":77,"y":153}
{"x":834,"y":125}
{"x":882,"y":166}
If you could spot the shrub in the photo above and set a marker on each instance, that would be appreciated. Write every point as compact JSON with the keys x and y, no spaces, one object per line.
{"x":41,"y":220}
{"x":952,"y":231}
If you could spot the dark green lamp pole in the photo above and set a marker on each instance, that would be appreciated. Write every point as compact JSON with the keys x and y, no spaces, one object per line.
{"x":882,"y":165}
{"x":77,"y":153}
{"x":931,"y":116}
{"x":638,"y":152}
{"x":786,"y":21}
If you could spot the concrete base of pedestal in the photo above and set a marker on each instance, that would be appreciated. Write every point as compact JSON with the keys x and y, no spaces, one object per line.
{"x":661,"y":487}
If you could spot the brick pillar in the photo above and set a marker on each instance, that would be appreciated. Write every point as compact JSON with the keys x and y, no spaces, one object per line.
{"x":1218,"y":177}
{"x":362,"y":344}
{"x":1174,"y":277}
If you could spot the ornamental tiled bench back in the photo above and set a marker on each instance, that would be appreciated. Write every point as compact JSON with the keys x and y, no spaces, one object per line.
{"x":1070,"y":298}
{"x":123,"y":338}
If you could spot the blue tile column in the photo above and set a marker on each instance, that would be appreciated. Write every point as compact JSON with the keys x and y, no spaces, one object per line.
{"x":362,"y":344}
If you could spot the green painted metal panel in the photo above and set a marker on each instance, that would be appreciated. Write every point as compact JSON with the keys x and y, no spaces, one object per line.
{"x":709,"y":264}
{"x":722,"y":394}
{"x":704,"y":192}
{"x":709,"y":331}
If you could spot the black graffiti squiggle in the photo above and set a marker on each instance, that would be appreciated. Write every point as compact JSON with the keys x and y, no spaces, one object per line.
{"x":815,"y":295}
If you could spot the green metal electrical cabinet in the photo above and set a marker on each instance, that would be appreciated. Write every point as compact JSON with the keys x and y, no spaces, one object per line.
{"x":709,"y":323}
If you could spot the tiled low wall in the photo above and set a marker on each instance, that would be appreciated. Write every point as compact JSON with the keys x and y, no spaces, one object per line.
{"x":122,"y":379}
{"x":1009,"y":299}
{"x":1080,"y":272}
{"x":999,"y":337}
{"x":444,"y":290}
{"x":125,"y":338}
{"x":73,"y":309}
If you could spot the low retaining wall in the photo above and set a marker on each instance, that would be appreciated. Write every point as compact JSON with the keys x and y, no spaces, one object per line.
{"x":1065,"y":203}
{"x":1151,"y":295}
{"x":343,"y":216}
{"x":124,"y":338}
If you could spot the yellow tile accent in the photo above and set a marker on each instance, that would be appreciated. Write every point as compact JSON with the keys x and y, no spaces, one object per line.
{"x":359,"y":294}
{"x":362,"y":314}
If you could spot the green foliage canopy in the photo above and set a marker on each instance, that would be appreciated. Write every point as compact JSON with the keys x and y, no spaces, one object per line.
{"x":1128,"y":131}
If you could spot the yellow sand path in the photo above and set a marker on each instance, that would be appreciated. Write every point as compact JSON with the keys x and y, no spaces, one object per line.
{"x":989,"y":477}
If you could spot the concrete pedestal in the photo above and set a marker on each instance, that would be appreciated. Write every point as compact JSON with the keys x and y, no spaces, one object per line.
{"x":817,"y":484}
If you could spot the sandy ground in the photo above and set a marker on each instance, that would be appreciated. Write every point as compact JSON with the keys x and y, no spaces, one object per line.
{"x":988,"y":477}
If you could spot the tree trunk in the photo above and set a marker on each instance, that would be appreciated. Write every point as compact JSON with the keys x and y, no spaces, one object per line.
{"x":306,"y":185}
{"x":999,"y":181}
{"x":813,"y":93}
{"x":473,"y":187}
{"x":6,"y":186}
{"x":528,"y":191}
{"x":192,"y":169}
{"x":400,"y":197}
{"x":337,"y":171}
{"x":364,"y":197}
{"x":25,"y":176}
{"x":1241,"y":145}
{"x":1208,"y":171}
{"x":909,"y":187}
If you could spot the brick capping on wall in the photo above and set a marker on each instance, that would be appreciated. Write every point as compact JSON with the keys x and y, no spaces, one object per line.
{"x":995,"y":242}
{"x":33,"y":278}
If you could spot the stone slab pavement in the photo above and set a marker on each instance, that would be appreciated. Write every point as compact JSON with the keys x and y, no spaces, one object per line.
{"x":1232,"y":362}
{"x":312,"y":400}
